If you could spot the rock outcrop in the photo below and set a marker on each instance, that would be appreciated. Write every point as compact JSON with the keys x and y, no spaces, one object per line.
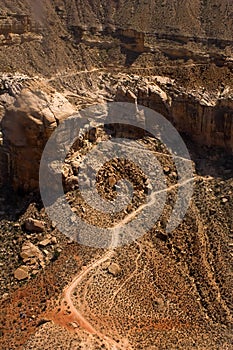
{"x":15,"y":23}
{"x":27,"y":123}
{"x":32,"y":113}
{"x":16,"y":29}
{"x":206,"y":117}
{"x":132,"y":39}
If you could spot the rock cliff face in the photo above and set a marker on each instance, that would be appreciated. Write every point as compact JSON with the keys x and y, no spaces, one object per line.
{"x":32,"y":110}
{"x":132,"y":40}
{"x":17,"y":24}
{"x":205,"y":117}
{"x":26,"y":125}
{"x":75,"y":50}
{"x":16,"y":29}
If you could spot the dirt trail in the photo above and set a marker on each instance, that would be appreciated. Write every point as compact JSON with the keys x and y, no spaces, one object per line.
{"x":75,"y":317}
{"x":70,"y":289}
{"x":152,"y":201}
{"x":110,"y":69}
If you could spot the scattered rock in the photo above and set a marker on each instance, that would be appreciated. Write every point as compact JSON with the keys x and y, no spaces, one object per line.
{"x":21,"y":273}
{"x":166,"y":170}
{"x":29,"y":250}
{"x":74,"y":325}
{"x":5,"y":296}
{"x":106,"y":264}
{"x":224,"y":200}
{"x":54,"y":240}
{"x":45,"y":242}
{"x":42,"y":264}
{"x":173,"y":175}
{"x":114,"y":269}
{"x":53,"y":224}
{"x":33,"y":225}
{"x":32,"y":261}
{"x":112,"y":181}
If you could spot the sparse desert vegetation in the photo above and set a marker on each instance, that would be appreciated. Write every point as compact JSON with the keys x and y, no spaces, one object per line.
{"x":163,"y":290}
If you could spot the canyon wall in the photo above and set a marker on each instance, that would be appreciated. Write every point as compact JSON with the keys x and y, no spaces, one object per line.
{"x":25,"y":127}
{"x":56,"y":43}
{"x":16,"y":29}
{"x":36,"y":110}
{"x":14,"y":23}
{"x":205,"y":118}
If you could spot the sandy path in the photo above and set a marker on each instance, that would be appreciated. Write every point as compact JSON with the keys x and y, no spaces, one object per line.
{"x":75,"y":317}
{"x":79,"y":318}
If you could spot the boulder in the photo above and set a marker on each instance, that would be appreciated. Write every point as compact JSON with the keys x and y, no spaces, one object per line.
{"x":114,"y":269}
{"x":29,"y":251}
{"x":21,"y":273}
{"x":33,"y":225}
{"x":45,"y":242}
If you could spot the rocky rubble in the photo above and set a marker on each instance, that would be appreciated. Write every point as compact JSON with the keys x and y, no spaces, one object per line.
{"x":27,"y":252}
{"x":21,"y":273}
{"x":34,"y":257}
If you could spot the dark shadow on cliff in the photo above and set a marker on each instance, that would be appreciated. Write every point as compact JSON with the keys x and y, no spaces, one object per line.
{"x":130,"y":56}
{"x":210,"y":161}
{"x":13,"y":204}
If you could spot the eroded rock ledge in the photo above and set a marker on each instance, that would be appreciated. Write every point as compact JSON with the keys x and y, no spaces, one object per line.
{"x":31,"y":110}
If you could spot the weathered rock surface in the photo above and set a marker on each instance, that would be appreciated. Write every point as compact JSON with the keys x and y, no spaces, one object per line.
{"x":114,"y":269}
{"x":21,"y":273}
{"x":45,"y":242}
{"x":206,"y":116}
{"x":33,"y":110}
{"x":34,"y":225}
{"x":27,"y":123}
{"x":29,"y":250}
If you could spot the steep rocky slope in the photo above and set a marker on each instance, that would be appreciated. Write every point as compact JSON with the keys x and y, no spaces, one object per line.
{"x":49,"y":36}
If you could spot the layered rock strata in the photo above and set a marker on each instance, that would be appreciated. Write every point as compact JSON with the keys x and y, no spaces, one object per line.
{"x":31,"y":111}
